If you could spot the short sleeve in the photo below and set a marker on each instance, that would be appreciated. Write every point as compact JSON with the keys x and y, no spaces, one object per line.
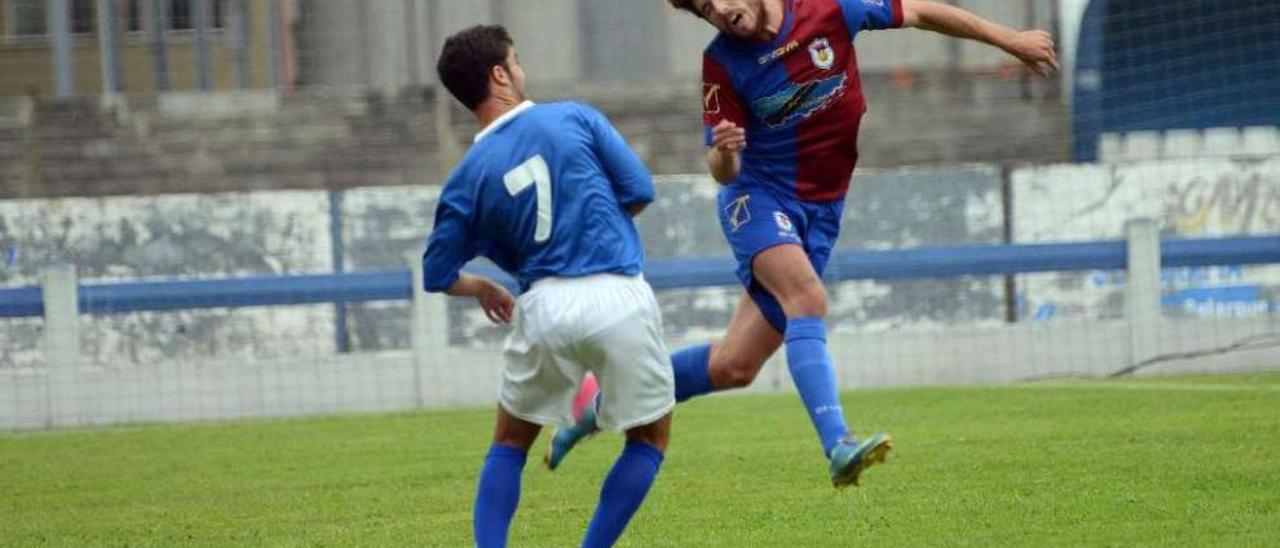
{"x":632,"y":182}
{"x":451,"y":244}
{"x":871,"y":14}
{"x":720,"y":101}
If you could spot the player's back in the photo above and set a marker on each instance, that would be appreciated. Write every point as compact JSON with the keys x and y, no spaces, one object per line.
{"x":544,"y":191}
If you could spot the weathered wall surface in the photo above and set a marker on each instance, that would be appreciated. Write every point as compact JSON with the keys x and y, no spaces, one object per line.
{"x":283,"y":232}
{"x":194,"y":236}
{"x":182,"y":236}
{"x":1188,"y":198}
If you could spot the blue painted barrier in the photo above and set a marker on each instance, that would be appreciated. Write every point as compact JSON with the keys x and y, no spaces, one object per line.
{"x":390,"y":285}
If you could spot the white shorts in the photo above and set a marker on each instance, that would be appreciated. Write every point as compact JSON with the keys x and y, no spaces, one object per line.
{"x":607,"y":324}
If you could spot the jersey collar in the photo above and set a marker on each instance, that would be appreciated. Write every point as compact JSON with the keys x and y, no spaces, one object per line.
{"x":502,"y":120}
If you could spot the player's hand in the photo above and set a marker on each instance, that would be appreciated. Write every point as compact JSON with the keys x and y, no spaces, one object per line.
{"x":728,"y":137}
{"x":497,"y":302}
{"x":1035,"y":49}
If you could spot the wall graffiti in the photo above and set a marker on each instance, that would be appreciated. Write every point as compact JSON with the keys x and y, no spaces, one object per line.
{"x":1187,"y":198}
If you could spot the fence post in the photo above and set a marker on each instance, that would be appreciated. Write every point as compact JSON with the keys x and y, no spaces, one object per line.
{"x":61,"y":317}
{"x":61,"y":339}
{"x":1142,"y":289}
{"x":428,"y":334}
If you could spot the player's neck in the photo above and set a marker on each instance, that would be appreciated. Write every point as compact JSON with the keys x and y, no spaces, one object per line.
{"x":494,"y":107}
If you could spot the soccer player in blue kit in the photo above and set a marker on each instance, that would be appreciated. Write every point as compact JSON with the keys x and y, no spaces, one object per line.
{"x":547,"y":193}
{"x":782,"y":103}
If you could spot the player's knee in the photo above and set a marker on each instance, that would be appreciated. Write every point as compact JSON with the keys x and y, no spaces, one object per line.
{"x":734,"y":372}
{"x":656,"y":433}
{"x":806,"y":300}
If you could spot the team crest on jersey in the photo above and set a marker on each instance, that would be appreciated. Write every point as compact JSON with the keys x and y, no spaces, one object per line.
{"x":737,"y":212}
{"x":784,"y":222}
{"x":823,"y":56}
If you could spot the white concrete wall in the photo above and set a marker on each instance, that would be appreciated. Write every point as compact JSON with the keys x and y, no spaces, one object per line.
{"x":82,"y":396}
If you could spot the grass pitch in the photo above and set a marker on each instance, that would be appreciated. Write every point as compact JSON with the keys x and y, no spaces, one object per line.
{"x":1159,"y":462}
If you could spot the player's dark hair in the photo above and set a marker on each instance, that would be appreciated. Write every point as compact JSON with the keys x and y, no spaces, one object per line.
{"x":467,"y":58}
{"x":686,"y":5}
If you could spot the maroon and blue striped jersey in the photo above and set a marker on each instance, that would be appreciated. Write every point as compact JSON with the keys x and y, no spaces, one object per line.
{"x":799,"y":96}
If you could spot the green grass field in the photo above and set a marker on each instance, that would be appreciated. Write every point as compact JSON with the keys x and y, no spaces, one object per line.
{"x":1186,"y":461}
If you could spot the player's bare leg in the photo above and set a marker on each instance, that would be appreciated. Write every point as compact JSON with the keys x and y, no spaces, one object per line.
{"x":628,"y":481}
{"x":737,"y":359}
{"x":786,"y":272}
{"x":498,"y":492}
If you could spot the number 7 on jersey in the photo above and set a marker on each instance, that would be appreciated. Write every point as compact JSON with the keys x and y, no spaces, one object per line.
{"x":533,"y":172}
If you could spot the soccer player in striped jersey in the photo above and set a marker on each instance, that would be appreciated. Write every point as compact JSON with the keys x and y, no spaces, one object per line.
{"x":782,"y":103}
{"x":547,"y":192}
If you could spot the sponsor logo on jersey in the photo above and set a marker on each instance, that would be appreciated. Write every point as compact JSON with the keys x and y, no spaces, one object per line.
{"x":779,"y":53}
{"x":799,"y":101}
{"x":737,"y":212}
{"x":823,"y":56}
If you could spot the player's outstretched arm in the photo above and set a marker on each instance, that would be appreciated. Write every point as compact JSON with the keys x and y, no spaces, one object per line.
{"x":1033,"y":47}
{"x":497,"y":302}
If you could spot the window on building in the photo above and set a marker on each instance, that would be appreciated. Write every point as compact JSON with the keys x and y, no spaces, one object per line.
{"x":31,"y":17}
{"x":182,"y":14}
{"x":27,"y":18}
{"x":82,"y":16}
{"x":133,"y":16}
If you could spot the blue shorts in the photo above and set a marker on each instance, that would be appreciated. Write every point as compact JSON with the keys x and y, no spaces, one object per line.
{"x":754,"y":219}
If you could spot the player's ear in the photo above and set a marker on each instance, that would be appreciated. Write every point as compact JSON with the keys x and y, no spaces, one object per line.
{"x":499,"y":75}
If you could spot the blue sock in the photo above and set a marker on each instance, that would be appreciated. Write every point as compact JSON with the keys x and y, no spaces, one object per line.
{"x":691,"y":366}
{"x":815,"y":378}
{"x":497,"y":495}
{"x":624,"y":489}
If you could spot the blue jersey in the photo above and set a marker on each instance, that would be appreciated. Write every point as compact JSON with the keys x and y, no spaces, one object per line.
{"x":543,"y":192}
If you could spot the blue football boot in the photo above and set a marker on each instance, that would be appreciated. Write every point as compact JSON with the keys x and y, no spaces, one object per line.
{"x":850,"y":457}
{"x":566,"y":438}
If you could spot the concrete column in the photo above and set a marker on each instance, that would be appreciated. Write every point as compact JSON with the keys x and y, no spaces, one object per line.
{"x":238,"y":23}
{"x":203,"y":15}
{"x":428,"y":336}
{"x":64,"y":74}
{"x":412,"y":43}
{"x":1142,"y":289}
{"x":61,"y":317}
{"x":108,"y":46}
{"x":275,"y":17}
{"x":159,"y":44}
{"x":365,"y":47}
